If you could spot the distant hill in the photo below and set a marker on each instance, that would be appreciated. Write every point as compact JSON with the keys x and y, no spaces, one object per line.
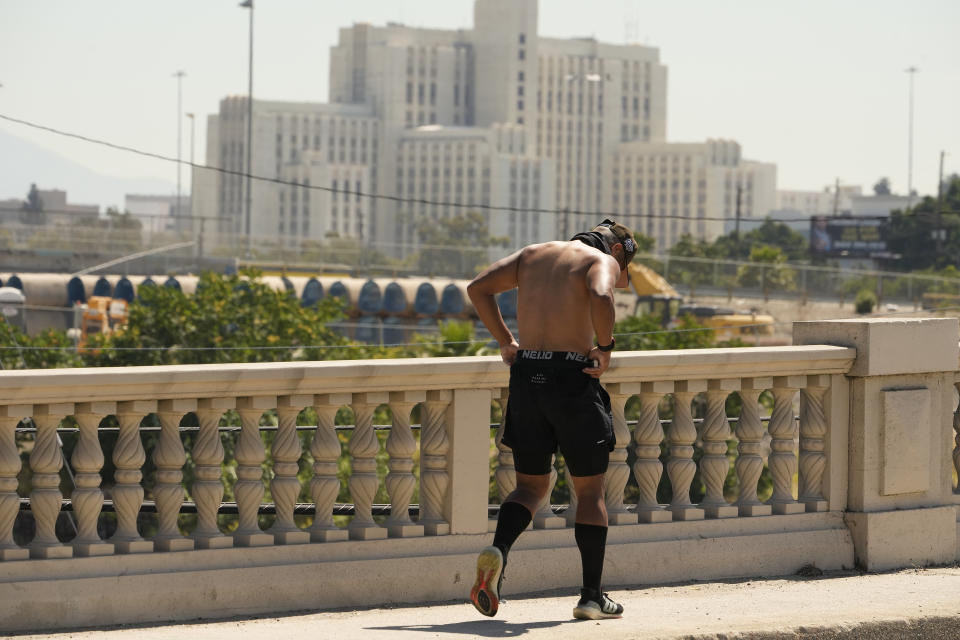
{"x":23,"y":162}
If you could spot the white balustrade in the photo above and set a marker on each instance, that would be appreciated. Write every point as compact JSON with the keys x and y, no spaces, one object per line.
{"x":647,"y":436}
{"x":325,"y":449}
{"x":363,"y":481}
{"x":169,"y":456}
{"x":285,"y":485}
{"x":250,"y":455}
{"x":714,"y":465}
{"x":681,"y":435}
{"x":46,"y":460}
{"x":437,"y":475}
{"x":10,"y":416}
{"x":618,"y":473}
{"x":956,"y":448}
{"x":749,"y":464}
{"x":505,"y":475}
{"x":544,"y":518}
{"x":813,"y":432}
{"x":400,"y":481}
{"x":783,"y":433}
{"x":434,"y":477}
{"x":208,"y":487}
{"x":87,"y":461}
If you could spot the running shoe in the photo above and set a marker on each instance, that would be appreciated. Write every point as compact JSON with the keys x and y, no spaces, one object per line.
{"x":485,"y":594}
{"x":595,"y":605}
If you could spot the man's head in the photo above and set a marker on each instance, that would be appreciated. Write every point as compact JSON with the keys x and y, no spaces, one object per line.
{"x":619,"y":244}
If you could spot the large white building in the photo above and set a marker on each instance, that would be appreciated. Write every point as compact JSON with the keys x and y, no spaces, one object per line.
{"x":540,"y":135}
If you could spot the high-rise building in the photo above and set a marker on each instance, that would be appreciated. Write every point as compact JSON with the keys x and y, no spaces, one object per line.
{"x":540,"y":135}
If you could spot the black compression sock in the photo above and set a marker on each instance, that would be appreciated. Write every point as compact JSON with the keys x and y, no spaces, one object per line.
{"x":592,"y":542}
{"x":513,"y":519}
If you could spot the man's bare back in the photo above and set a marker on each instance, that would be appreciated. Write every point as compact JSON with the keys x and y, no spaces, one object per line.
{"x":553,"y":301}
{"x":565,"y":298}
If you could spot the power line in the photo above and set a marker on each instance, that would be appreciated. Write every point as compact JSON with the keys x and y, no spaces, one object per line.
{"x":362,"y":194}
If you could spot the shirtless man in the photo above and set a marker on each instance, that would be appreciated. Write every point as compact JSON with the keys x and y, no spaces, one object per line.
{"x":565,"y":300}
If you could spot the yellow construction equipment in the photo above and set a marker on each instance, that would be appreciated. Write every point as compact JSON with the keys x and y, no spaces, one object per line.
{"x":656,"y":296}
{"x":101,"y":315}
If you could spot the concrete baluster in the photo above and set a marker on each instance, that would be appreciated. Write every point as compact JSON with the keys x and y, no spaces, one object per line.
{"x":544,"y":518}
{"x":783,"y":431}
{"x":10,"y":416}
{"x":169,"y":457}
{"x":434,"y":477}
{"x":618,"y":473}
{"x":681,"y":436}
{"x":505,"y":475}
{"x":325,"y":485}
{"x":813,"y":433}
{"x":285,"y":485}
{"x":647,"y":436}
{"x":749,"y":464}
{"x":87,"y":497}
{"x":956,"y":440}
{"x":208,"y":486}
{"x":714,"y":465}
{"x":363,"y":481}
{"x":46,"y":461}
{"x":128,"y":458}
{"x":250,"y":455}
{"x":570,"y":516}
{"x":401,"y":445}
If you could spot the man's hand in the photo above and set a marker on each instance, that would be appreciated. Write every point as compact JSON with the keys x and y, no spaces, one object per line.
{"x":509,"y":352}
{"x":602,"y":358}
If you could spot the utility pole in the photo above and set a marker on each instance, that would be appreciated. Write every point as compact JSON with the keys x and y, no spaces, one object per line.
{"x":179,"y":76}
{"x":940,"y":232}
{"x":737,"y":232}
{"x":836,"y":198}
{"x":912,"y":71}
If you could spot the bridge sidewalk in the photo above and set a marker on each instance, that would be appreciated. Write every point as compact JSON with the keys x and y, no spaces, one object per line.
{"x":913,"y":603}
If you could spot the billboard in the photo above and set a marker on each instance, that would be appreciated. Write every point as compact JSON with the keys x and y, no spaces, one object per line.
{"x":848,"y":237}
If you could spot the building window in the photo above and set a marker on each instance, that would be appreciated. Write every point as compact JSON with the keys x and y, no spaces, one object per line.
{"x":520,"y":76}
{"x":522,"y":38}
{"x":521,"y":55}
{"x":519,"y":105}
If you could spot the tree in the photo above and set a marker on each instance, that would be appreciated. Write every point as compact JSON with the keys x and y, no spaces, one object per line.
{"x":882,"y":188}
{"x":644,"y":333}
{"x":455,"y":246}
{"x":49,"y":349}
{"x":32,"y":210}
{"x":767,"y":271}
{"x":229,"y":318}
{"x":913,"y":234}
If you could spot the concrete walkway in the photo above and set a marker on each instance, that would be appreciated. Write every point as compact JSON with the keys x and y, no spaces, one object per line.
{"x":914,"y":603}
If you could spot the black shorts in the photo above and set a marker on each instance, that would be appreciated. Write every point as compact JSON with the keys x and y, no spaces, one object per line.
{"x":554,"y":403}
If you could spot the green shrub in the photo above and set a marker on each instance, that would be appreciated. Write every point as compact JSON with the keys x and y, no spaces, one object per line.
{"x":865,"y":302}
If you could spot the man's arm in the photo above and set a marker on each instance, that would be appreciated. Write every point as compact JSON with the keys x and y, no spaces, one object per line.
{"x":601,"y":279}
{"x":500,"y":276}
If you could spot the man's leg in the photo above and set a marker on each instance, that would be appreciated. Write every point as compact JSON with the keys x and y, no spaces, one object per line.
{"x":518,"y":509}
{"x":590,"y":531}
{"x":515,"y":514}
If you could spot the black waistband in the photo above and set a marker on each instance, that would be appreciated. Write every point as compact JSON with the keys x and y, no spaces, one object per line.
{"x":559,"y":358}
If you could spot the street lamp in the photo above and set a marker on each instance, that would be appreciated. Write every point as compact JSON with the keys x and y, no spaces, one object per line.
{"x":248,"y":4}
{"x":179,"y":76}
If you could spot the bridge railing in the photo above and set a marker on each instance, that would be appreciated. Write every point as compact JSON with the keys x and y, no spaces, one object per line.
{"x":858,"y":448}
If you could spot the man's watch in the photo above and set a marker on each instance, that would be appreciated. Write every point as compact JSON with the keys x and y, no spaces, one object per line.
{"x":609,"y":347}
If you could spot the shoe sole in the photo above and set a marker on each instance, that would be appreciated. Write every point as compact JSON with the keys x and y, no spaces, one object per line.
{"x":484,"y":594}
{"x":589,"y":613}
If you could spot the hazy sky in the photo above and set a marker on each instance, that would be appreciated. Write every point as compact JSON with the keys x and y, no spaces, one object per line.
{"x":816,"y":86}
